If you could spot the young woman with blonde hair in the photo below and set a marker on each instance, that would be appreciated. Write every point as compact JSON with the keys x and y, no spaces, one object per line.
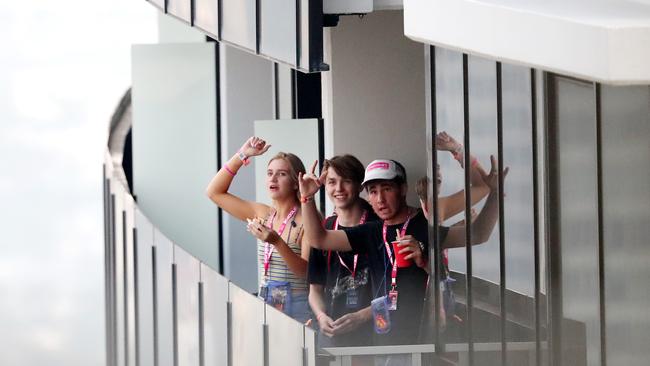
{"x":282,"y":254}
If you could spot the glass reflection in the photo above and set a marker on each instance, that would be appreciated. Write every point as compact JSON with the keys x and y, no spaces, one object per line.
{"x":578,"y":222}
{"x":519,"y":215}
{"x":449,"y":110}
{"x":486,"y":313}
{"x":625,"y":146}
{"x":518,"y":209}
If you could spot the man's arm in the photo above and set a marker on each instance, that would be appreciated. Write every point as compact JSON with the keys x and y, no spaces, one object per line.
{"x":325,"y":323}
{"x":315,"y":233}
{"x":352,"y":321}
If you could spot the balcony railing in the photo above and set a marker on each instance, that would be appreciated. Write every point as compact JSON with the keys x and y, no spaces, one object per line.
{"x":165,"y":307}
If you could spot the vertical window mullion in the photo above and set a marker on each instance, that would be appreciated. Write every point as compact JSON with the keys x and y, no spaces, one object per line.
{"x":435,"y":250}
{"x":502,"y":242}
{"x":601,"y":247}
{"x":468,"y":212}
{"x":553,"y":247}
{"x":536,"y":232}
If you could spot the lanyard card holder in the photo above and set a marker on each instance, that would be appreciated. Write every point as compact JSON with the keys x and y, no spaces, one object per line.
{"x":278,"y":295}
{"x":448,"y":297}
{"x":381,"y":315}
{"x":352,"y":298}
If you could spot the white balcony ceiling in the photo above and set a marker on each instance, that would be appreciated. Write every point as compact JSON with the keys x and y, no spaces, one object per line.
{"x":599,"y":40}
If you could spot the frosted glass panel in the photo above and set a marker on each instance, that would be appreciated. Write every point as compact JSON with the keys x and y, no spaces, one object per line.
{"x":485,"y":257}
{"x":286,"y":338}
{"x":120,"y":273}
{"x":626,"y":222}
{"x":175,"y":142}
{"x":245,"y":77}
{"x":449,"y":102}
{"x":215,"y":317}
{"x":519,"y":209}
{"x":247,"y":328}
{"x":310,"y":346}
{"x":165,"y":318}
{"x":187,"y":306}
{"x":129,"y":267}
{"x":144,"y":284}
{"x":517,"y":151}
{"x":576,"y":131}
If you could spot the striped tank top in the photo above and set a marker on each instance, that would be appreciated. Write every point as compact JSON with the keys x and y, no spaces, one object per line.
{"x":278,"y":269}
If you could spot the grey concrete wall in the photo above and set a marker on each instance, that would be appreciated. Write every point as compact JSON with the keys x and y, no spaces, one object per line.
{"x":374,"y":95}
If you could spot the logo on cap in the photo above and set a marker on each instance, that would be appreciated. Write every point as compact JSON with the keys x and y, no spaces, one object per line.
{"x":378,"y":165}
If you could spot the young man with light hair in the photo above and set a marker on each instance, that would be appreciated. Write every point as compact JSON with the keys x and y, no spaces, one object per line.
{"x":339,"y":282}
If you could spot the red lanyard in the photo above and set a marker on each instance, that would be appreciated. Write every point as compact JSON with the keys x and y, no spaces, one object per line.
{"x":364,"y":216}
{"x":393,"y":276}
{"x":268,"y":248}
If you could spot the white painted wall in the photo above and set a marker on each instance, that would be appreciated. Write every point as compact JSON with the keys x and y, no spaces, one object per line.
{"x":374,"y":94}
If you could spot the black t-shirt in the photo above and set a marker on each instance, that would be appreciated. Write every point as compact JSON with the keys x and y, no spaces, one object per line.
{"x":368,"y":240}
{"x":325,"y":269}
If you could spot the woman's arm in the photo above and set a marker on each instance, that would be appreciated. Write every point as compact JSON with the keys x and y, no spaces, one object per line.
{"x":455,"y":203}
{"x":484,"y":224}
{"x":217,"y":190}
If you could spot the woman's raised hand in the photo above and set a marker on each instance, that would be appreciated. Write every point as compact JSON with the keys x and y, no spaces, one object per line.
{"x":492,"y":179}
{"x":444,"y":142}
{"x":254,"y":146}
{"x":309,"y":184}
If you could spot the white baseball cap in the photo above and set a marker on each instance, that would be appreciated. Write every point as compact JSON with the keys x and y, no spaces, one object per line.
{"x":383,"y":169}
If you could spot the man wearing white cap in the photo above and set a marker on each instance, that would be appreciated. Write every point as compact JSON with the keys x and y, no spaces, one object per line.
{"x":396,"y":246}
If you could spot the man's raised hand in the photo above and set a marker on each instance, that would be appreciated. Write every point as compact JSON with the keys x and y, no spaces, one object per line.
{"x":309,"y":184}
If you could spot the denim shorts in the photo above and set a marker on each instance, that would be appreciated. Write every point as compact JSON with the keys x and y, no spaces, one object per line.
{"x":299,"y":309}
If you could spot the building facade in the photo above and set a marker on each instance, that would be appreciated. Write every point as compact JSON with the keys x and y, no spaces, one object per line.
{"x":557,"y":92}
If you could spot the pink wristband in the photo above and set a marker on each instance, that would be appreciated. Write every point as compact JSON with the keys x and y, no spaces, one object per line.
{"x":225,"y":166}
{"x":320,"y":316}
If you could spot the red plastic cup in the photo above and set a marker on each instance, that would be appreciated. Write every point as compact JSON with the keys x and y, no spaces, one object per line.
{"x":401,"y":262}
